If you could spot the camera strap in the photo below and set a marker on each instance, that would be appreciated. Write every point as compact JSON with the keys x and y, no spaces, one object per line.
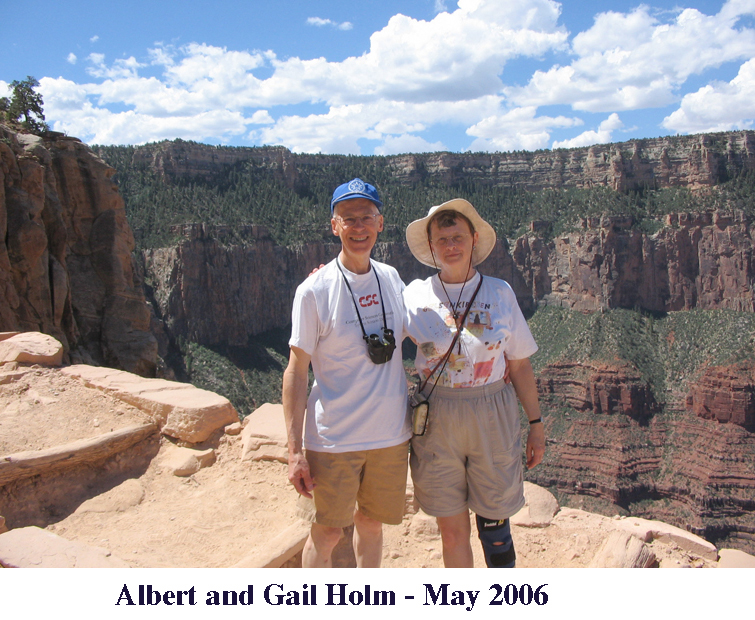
{"x":354,"y":299}
{"x":457,"y":335}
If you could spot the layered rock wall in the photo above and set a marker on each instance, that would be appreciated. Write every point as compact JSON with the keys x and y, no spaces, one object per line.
{"x":66,"y":267}
{"x":706,"y":262}
{"x":602,"y":389}
{"x":680,"y":161}
{"x":726,"y":394}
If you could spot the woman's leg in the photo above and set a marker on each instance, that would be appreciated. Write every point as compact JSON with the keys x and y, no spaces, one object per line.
{"x":495,"y":536}
{"x":455,"y":532}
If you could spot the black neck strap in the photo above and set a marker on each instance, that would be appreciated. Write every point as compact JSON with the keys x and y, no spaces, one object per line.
{"x":353,"y":299}
{"x":457,"y":336}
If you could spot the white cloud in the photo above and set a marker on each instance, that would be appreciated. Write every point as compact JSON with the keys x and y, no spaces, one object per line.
{"x":94,"y":39}
{"x":407,"y":143}
{"x":632,"y":60}
{"x":587,"y":138}
{"x":415,"y":73}
{"x":419,"y":74}
{"x":342,"y":126}
{"x":517,"y":129}
{"x":261,"y":117}
{"x":536,"y":15}
{"x":71,"y":58}
{"x":122,"y":68}
{"x":721,"y":106}
{"x":319,"y":21}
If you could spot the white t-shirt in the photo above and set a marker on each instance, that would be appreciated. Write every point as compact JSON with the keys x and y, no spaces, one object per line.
{"x":494,"y":326}
{"x":354,"y":404}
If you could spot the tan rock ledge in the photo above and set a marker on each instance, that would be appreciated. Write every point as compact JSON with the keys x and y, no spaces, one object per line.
{"x":181,"y":410}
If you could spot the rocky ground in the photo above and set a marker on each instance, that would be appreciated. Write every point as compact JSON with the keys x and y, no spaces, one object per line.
{"x":231,"y":509}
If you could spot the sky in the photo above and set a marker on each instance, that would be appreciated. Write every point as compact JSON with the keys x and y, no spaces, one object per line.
{"x":385,"y":77}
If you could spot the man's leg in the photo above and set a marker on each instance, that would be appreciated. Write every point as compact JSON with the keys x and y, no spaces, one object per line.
{"x":455,"y":532}
{"x":319,"y":546}
{"x":368,"y":541}
{"x":381,"y":498}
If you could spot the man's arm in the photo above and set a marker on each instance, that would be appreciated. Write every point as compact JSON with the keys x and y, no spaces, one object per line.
{"x":295,"y":379}
{"x":523,"y":379}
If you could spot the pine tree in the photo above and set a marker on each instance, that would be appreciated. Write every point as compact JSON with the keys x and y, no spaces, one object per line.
{"x":27,"y":104}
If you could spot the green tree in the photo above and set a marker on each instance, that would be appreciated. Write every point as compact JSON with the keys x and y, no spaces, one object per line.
{"x":26,"y":105}
{"x":4,"y":105}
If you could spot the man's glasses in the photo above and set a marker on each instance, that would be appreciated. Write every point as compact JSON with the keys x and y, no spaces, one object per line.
{"x":367,"y":221}
{"x":456,"y":240}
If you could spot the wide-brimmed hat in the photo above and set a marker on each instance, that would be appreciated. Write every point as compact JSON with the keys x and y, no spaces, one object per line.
{"x":356,"y":188}
{"x":419,"y":244}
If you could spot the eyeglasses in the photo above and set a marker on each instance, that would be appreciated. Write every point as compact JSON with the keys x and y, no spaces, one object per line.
{"x":367,"y":221}
{"x":456,"y":240}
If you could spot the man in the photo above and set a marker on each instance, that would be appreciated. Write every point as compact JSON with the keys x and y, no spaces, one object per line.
{"x":351,"y":464}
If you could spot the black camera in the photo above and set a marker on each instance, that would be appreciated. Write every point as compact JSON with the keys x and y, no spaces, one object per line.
{"x":381,"y":350}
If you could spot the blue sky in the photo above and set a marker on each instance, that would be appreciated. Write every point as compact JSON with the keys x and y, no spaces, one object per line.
{"x":386,"y":77}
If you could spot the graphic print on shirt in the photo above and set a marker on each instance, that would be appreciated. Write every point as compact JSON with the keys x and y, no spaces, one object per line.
{"x":461,"y":370}
{"x":494,"y":329}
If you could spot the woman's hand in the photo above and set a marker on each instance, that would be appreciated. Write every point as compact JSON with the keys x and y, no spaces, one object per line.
{"x":535,"y":445}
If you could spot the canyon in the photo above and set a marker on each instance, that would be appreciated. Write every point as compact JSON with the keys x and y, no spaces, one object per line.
{"x":617,"y":442}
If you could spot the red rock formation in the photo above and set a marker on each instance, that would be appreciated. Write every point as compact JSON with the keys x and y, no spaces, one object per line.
{"x":694,"y":473}
{"x":599,"y":388}
{"x":251,"y":286}
{"x":65,"y":253}
{"x":704,"y":261}
{"x":726,"y":394}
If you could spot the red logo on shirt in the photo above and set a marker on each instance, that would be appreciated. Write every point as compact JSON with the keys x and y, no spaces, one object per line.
{"x":369,"y":300}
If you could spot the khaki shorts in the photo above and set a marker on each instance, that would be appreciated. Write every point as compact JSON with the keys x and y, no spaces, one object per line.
{"x":471,"y":454}
{"x":375,"y":480}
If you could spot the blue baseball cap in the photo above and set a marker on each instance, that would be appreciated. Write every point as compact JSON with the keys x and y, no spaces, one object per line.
{"x":355,"y":189}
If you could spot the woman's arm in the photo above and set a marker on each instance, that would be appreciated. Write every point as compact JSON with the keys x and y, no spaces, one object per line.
{"x":523,"y":379}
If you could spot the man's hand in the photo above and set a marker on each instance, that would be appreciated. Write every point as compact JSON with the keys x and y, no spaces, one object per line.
{"x":316,"y":269}
{"x":299,"y":476}
{"x":294,"y":404}
{"x":535,"y":445}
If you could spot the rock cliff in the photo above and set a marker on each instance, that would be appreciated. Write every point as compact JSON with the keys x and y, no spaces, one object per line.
{"x":681,"y":161}
{"x":706,"y":261}
{"x":599,"y":388}
{"x":66,"y":267}
{"x":726,"y":394}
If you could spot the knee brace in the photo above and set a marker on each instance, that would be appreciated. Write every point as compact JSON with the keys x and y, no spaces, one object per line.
{"x":495,"y":536}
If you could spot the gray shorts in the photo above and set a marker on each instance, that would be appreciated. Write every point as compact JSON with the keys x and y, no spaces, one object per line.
{"x":471,"y":454}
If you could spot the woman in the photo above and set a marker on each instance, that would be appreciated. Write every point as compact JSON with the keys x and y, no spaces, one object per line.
{"x":470,"y":454}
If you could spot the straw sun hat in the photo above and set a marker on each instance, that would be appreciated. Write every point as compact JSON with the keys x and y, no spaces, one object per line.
{"x":419,"y":244}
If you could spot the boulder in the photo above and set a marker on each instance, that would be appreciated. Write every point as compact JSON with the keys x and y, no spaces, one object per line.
{"x":622,"y":550}
{"x":185,"y":461}
{"x":264,"y":435}
{"x":733,"y":558}
{"x":540,"y":508}
{"x":647,"y":531}
{"x":33,"y":547}
{"x":31,"y":348}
